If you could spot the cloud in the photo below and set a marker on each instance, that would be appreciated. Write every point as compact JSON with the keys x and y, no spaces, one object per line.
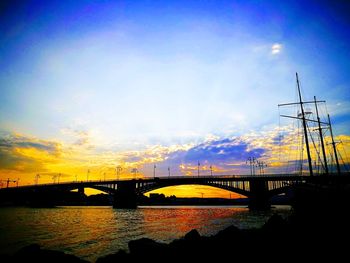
{"x":26,"y":154}
{"x":276,"y":48}
{"x":218,"y":151}
{"x":79,"y":137}
{"x":14,"y":140}
{"x":9,"y":161}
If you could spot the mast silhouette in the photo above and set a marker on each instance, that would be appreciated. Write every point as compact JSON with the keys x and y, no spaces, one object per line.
{"x":304,"y":120}
{"x":334,"y":148}
{"x":321,"y":137}
{"x":304,"y":126}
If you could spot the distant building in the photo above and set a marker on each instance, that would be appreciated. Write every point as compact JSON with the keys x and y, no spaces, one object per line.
{"x":155,"y":196}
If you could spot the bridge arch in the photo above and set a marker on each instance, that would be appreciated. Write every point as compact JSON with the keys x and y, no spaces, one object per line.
{"x":280,"y":190}
{"x":101,"y":188}
{"x":145,"y":188}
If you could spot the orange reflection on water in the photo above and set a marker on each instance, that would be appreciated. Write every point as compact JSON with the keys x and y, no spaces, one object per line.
{"x":92,"y":232}
{"x":177,"y":221}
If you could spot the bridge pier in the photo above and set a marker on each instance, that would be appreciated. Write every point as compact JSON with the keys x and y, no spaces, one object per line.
{"x":81,"y":190}
{"x":259,"y":198}
{"x":125,"y":195}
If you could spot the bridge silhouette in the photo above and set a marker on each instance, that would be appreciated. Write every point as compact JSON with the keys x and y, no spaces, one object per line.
{"x":258,"y":189}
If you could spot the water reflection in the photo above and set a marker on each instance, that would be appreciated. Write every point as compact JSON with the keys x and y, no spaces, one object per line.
{"x":91,"y":232}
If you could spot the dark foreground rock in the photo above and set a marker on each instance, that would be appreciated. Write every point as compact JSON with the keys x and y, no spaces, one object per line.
{"x":33,"y":253}
{"x":279,"y":240}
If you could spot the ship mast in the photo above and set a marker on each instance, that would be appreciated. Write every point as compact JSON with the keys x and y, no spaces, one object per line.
{"x":334,"y":148}
{"x":321,"y":138}
{"x":304,"y":120}
{"x":305,"y":128}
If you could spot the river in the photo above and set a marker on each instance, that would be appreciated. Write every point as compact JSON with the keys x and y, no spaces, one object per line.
{"x":92,"y":232}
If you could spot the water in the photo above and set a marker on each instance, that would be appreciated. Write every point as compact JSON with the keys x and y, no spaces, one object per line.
{"x":92,"y":232}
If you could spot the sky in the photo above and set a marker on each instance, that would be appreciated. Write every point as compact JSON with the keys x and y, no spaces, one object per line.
{"x":87,"y":86}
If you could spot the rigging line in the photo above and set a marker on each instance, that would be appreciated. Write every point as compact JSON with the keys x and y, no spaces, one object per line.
{"x":280,"y":135}
{"x":297,"y":141}
{"x":289,"y":146}
{"x":328,"y":150}
{"x":331,"y":156}
{"x":319,"y":158}
{"x":286,"y":161}
{"x":289,"y":149}
{"x":344,"y":164}
{"x":325,"y":105}
{"x":319,"y":144}
{"x":301,"y":147}
{"x":297,"y":159}
{"x":332,"y":163}
{"x":324,"y":111}
{"x":313,"y":142}
{"x":346,"y":157}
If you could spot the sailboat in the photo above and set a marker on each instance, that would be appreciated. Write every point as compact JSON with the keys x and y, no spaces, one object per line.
{"x":325,"y":188}
{"x":303,"y":116}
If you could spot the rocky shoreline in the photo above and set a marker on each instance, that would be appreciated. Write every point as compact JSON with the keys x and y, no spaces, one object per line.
{"x":314,"y":236}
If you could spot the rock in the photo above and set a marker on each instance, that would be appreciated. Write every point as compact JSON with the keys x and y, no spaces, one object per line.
{"x":231,"y":232}
{"x":33,"y":248}
{"x":146,"y":247}
{"x":275,"y":223}
{"x":193,"y":235}
{"x":33,"y":253}
{"x":120,"y":256}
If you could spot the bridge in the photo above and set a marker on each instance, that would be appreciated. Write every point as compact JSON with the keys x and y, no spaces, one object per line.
{"x":259,"y":189}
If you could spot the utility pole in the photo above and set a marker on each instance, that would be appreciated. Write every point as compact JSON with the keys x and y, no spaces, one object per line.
{"x":119,"y":169}
{"x":251,"y":161}
{"x":154,"y":171}
{"x":198,"y":168}
{"x":87,"y":175}
{"x":134,"y":171}
{"x":37,"y":176}
{"x":250,"y":165}
{"x":211,"y":170}
{"x":254,"y":160}
{"x":169,"y":172}
{"x":321,"y":138}
{"x":261,"y":166}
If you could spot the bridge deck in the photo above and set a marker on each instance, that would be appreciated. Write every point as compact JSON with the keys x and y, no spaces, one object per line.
{"x":194,"y":179}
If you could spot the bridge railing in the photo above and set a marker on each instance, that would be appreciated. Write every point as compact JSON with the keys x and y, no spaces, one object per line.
{"x":173,"y":177}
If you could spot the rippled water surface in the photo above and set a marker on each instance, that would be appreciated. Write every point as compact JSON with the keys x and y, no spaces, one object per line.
{"x":91,"y":232}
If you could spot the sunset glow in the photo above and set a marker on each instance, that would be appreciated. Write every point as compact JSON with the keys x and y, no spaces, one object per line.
{"x":189,"y":86}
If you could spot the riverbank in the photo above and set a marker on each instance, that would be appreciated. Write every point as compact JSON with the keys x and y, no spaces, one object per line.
{"x":308,"y":236}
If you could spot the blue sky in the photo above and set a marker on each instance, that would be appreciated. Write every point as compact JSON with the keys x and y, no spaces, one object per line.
{"x":126,"y":76}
